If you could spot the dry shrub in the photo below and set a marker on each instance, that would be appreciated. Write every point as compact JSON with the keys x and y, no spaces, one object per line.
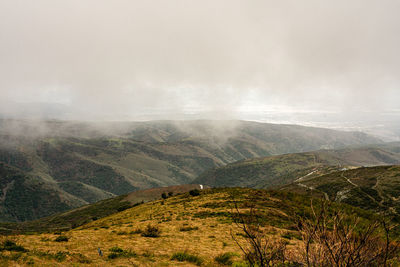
{"x":333,"y":238}
{"x":151,"y":231}
{"x":330,"y":237}
{"x":258,"y":248}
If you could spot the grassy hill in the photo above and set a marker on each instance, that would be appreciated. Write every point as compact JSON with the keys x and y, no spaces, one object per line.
{"x":79,"y":163}
{"x":195,"y":229}
{"x":373,"y":188}
{"x":88,"y":213}
{"x":282,"y":169}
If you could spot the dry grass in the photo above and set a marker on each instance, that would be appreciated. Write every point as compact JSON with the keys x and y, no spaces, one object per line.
{"x":208,"y":239}
{"x":209,"y":236}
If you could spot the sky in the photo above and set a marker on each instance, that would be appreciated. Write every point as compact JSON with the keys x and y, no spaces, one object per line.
{"x":128,"y":60}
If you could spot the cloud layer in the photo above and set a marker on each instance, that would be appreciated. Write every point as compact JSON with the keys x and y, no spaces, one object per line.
{"x":117,"y":59}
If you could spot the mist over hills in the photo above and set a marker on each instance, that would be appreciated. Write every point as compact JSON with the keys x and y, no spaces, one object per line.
{"x":81,"y":163}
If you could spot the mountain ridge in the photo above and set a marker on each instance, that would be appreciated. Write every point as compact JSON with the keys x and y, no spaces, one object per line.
{"x":86,"y":162}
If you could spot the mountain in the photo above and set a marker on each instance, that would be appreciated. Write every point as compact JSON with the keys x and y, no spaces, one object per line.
{"x":373,"y":188}
{"x":282,"y":169}
{"x":79,"y":163}
{"x":23,"y":197}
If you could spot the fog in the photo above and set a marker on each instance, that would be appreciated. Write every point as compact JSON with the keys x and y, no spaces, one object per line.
{"x":276,"y":61}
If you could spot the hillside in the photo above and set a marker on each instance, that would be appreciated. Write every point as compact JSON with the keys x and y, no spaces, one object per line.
{"x":373,"y":188}
{"x":62,"y":221}
{"x":81,"y":163}
{"x":282,"y":169}
{"x":201,"y":226}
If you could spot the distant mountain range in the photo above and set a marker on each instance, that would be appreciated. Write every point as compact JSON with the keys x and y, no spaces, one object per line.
{"x":53,"y":166}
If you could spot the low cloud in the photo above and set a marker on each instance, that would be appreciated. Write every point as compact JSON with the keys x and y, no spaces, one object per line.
{"x":117,"y":60}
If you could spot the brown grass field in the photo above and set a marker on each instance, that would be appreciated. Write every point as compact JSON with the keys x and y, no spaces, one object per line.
{"x":201,"y":226}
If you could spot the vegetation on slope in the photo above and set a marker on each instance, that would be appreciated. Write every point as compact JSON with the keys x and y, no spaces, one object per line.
{"x":25,"y":197}
{"x":282,"y":169}
{"x":372,"y":188}
{"x":81,"y":163}
{"x":210,"y":217}
{"x":82,"y":215}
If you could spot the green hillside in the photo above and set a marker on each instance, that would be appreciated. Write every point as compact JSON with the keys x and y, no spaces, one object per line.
{"x":373,"y":188}
{"x":80,"y":163}
{"x":282,"y":169}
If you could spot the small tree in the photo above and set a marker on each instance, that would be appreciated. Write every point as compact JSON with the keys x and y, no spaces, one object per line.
{"x":164,"y":195}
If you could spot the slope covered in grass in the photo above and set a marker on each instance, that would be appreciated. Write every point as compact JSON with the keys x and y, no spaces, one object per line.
{"x":88,"y":213}
{"x":190,"y":230}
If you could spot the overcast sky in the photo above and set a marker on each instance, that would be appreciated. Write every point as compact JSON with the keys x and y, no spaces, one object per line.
{"x":115,"y":59}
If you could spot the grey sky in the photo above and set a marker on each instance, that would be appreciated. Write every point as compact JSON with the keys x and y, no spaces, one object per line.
{"x":116,"y":59}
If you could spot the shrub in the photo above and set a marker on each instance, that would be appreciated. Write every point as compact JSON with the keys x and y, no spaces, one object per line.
{"x":194,"y":192}
{"x":117,"y":252}
{"x":340,"y":239}
{"x":81,"y":258}
{"x":225,"y":258}
{"x":60,"y":256}
{"x":164,"y":195}
{"x":151,"y":231}
{"x":184,"y":256}
{"x":258,"y":248}
{"x":12,"y":246}
{"x":121,"y":233}
{"x":61,"y":238}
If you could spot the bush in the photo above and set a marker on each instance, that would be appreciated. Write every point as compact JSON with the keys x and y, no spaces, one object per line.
{"x":12,"y":246}
{"x":61,"y":238}
{"x":184,"y":256}
{"x":81,"y":258}
{"x":164,"y":195}
{"x":117,"y":252}
{"x":151,"y":231}
{"x":335,"y":238}
{"x":60,"y":256}
{"x":225,"y":258}
{"x":194,"y":192}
